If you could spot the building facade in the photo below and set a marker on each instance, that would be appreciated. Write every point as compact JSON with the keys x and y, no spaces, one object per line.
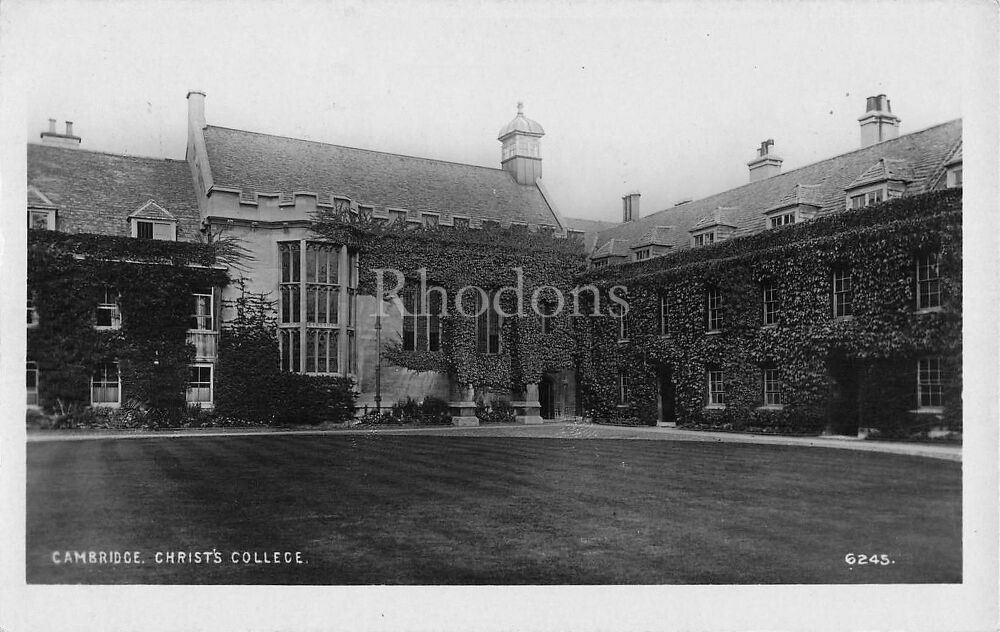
{"x":680,"y":355}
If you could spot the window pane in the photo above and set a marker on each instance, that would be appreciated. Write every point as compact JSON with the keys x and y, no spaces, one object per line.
{"x":144,"y":230}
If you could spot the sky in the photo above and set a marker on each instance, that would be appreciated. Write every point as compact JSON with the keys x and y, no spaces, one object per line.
{"x":669,"y":99}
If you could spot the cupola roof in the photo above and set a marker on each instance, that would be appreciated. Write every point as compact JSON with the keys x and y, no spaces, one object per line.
{"x":521,"y":124}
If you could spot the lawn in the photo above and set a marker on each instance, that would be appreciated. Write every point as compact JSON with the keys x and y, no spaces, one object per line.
{"x":377,"y":509}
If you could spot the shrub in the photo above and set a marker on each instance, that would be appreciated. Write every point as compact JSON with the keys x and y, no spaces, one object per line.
{"x":501,"y":412}
{"x":311,"y":399}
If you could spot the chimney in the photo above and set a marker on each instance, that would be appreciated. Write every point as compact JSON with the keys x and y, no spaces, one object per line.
{"x":630,"y":207}
{"x":520,"y":152}
{"x":766,"y":164}
{"x":196,"y":109}
{"x":878,"y":122}
{"x":52,"y":137}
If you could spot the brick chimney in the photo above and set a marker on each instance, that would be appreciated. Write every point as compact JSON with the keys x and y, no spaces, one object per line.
{"x":766,"y":164}
{"x":878,"y":122}
{"x":52,"y":137}
{"x":630,"y":207}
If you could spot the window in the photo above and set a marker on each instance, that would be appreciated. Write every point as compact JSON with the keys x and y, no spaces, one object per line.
{"x":642,"y":255}
{"x":105,"y":386}
{"x":782,"y":220}
{"x":772,"y":387}
{"x":488,"y":325}
{"x":461,"y":222}
{"x":713,"y":312}
{"x":928,"y":281}
{"x":770,"y":294}
{"x":422,"y":329}
{"x":311,"y":319}
{"x":954,"y":178}
{"x":862,"y":200}
{"x":148,"y":229}
{"x":31,"y":382}
{"x":32,"y":312}
{"x":108,"y":314}
{"x":203,"y":318}
{"x":929,"y":384}
{"x":430,"y":220}
{"x":42,"y":219}
{"x":575,"y":235}
{"x":547,"y":310}
{"x":843,"y":293}
{"x":397,"y":218}
{"x":598,"y":263}
{"x":716,"y":388}
{"x":623,"y":326}
{"x":623,"y":393}
{"x":199,"y":385}
{"x":664,"y":323}
{"x":704,"y":239}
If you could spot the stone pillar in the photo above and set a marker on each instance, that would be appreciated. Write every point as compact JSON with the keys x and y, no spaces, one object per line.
{"x":462,"y":406}
{"x":527,"y":408}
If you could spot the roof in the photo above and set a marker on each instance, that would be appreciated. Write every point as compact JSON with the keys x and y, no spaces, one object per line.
{"x":589,"y":227}
{"x":37,"y":199}
{"x":924,"y":152}
{"x":655,"y":236}
{"x":884,"y":169}
{"x":152,"y":210}
{"x":262,"y":163}
{"x":96,"y":192}
{"x":613,"y":248}
{"x":720,"y":216}
{"x":521,"y":124}
{"x":799,"y":194}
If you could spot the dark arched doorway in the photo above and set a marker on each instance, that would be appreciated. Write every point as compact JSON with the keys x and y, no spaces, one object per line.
{"x":546,"y":397}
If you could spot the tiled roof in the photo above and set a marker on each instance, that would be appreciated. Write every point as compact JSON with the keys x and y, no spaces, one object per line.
{"x":152,"y":210}
{"x":613,"y":248}
{"x":924,"y":151}
{"x":884,"y":169}
{"x":249,"y":161}
{"x":720,"y":216}
{"x":800,"y":194}
{"x":96,"y":192}
{"x":655,"y":236}
{"x":38,"y":199}
{"x":589,"y":227}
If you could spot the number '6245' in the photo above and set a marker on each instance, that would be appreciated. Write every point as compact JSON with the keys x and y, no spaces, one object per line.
{"x":863,"y":560}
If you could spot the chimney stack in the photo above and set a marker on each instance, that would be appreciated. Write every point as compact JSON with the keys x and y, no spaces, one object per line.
{"x":630,"y":207}
{"x":52,"y":137}
{"x":878,"y":122}
{"x":766,"y":164}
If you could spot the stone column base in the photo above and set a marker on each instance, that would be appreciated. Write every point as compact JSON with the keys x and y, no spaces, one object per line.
{"x":463,"y":413}
{"x":527,"y":412}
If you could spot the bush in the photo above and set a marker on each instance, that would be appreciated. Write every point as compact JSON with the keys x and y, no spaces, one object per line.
{"x":501,"y":412}
{"x":428,"y":411}
{"x":311,"y":399}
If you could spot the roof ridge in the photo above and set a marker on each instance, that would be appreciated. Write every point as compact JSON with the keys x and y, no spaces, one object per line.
{"x":811,"y":164}
{"x":371,"y":151}
{"x":105,"y":153}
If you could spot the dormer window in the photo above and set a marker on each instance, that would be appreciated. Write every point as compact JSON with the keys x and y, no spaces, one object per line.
{"x":642,"y":254}
{"x":42,"y":218}
{"x":884,"y":180}
{"x":954,"y":177}
{"x":703,"y":239}
{"x":152,"y":221}
{"x":430,"y":220}
{"x":866,"y":199}
{"x":781,"y":220}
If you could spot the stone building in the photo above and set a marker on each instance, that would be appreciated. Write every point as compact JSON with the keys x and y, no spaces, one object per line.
{"x":264,"y":190}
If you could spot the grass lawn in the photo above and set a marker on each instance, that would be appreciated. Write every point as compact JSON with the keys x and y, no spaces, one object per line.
{"x":377,"y":509}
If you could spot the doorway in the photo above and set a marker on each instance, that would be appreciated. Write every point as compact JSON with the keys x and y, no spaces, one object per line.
{"x":546,"y":397}
{"x":843,"y":408}
{"x":666,"y":413}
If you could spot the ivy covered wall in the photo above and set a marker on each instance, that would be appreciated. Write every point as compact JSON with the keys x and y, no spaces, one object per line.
{"x":153,"y":280}
{"x":818,"y":355}
{"x":455,"y":258}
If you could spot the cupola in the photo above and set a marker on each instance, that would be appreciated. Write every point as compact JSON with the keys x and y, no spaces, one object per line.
{"x":520,"y":153}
